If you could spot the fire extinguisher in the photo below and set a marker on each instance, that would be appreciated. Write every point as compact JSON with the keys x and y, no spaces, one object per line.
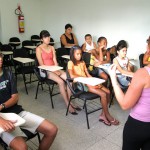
{"x":20,"y":19}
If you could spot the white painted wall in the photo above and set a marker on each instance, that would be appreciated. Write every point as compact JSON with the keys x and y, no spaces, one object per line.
{"x":9,"y":21}
{"x":114,"y":19}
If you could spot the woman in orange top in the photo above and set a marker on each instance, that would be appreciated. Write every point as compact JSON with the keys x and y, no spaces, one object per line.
{"x":146,"y":58}
{"x":45,"y":54}
{"x":77,"y":68}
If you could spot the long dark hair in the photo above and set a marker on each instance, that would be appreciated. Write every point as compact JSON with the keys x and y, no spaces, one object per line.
{"x":44,"y":34}
{"x":72,"y":50}
{"x":121,"y":44}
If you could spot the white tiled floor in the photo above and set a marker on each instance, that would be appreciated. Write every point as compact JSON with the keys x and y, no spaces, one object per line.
{"x":73,"y":133}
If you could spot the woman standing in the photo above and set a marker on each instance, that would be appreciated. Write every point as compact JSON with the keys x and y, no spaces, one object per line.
{"x":136,"y":134}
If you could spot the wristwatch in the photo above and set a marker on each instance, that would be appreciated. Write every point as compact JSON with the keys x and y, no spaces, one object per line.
{"x":3,"y":106}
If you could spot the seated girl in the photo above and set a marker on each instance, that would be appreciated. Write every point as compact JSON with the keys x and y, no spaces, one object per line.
{"x":146,"y":58}
{"x":45,"y":54}
{"x":77,"y":68}
{"x":122,"y":63}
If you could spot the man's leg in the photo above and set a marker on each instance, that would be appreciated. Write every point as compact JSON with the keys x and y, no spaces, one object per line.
{"x":49,"y":130}
{"x":18,"y":143}
{"x":15,"y":139}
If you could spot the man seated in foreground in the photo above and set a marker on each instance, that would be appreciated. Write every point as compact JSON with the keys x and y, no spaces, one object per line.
{"x":13,"y":136}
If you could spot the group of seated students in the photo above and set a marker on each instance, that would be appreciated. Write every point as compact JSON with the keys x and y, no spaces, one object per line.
{"x":77,"y":68}
{"x":101,"y":55}
{"x":45,"y":54}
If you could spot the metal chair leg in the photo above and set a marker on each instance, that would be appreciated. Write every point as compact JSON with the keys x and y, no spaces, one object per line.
{"x":39,"y":139}
{"x":24,"y":79}
{"x":50,"y":94}
{"x":86,"y":115}
{"x":37,"y":89}
{"x":68,"y":105}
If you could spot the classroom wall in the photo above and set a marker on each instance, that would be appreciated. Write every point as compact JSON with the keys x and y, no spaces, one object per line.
{"x":9,"y":21}
{"x":116,"y":20}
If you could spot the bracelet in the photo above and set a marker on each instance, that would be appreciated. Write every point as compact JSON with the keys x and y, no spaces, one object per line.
{"x":3,"y":106}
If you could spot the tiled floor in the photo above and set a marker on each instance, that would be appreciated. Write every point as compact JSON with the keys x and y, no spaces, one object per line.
{"x":73,"y":133}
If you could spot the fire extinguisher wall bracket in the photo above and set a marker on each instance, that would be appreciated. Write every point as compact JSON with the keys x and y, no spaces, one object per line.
{"x":21,"y":23}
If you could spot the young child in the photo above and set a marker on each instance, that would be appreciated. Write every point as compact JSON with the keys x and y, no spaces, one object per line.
{"x":94,"y":70}
{"x":102,"y":54}
{"x":146,"y":58}
{"x":77,"y":68}
{"x":89,"y":46}
{"x":122,"y":63}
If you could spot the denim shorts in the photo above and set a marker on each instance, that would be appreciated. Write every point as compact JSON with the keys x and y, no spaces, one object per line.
{"x":123,"y":80}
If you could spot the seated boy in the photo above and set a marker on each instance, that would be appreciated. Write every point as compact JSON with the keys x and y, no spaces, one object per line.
{"x":13,"y":136}
{"x":89,"y":46}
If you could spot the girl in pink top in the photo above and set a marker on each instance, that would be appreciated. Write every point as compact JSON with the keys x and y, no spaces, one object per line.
{"x":45,"y":54}
{"x":136,"y":134}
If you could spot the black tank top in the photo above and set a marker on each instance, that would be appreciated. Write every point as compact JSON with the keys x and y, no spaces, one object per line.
{"x":70,"y":41}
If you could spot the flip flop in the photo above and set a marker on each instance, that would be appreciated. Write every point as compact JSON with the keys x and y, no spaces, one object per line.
{"x":114,"y":122}
{"x":73,"y":113}
{"x":76,"y":107}
{"x":107,"y":123}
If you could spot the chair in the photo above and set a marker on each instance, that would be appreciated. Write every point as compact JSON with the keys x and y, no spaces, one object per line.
{"x":81,"y":94}
{"x":29,"y":137}
{"x":141,"y":60}
{"x":51,"y":42}
{"x":44,"y":80}
{"x":14,"y":39}
{"x":29,"y":43}
{"x":35,"y":39}
{"x":61,"y":61}
{"x":21,"y":68}
{"x":7,"y":61}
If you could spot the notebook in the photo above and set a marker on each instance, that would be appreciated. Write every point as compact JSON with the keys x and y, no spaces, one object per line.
{"x":89,"y":80}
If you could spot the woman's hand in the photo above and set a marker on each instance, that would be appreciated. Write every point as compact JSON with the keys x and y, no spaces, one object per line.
{"x":112,"y":71}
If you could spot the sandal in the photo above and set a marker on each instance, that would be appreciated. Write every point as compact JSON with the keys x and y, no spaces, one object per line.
{"x":106,"y":122}
{"x":76,"y":107}
{"x":114,"y":122}
{"x":73,"y":113}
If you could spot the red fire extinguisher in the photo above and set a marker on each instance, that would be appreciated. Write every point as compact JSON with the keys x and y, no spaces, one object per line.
{"x":20,"y":19}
